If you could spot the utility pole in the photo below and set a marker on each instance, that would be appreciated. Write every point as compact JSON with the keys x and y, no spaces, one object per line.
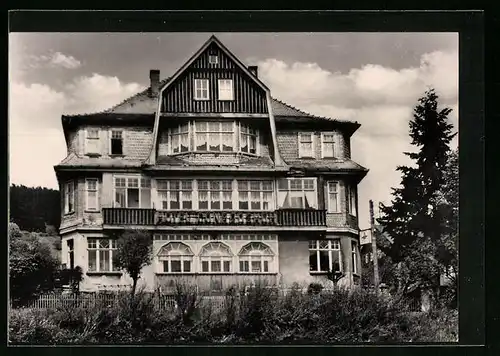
{"x":374,"y":249}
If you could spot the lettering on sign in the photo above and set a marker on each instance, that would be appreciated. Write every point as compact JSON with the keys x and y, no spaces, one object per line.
{"x":215,"y":218}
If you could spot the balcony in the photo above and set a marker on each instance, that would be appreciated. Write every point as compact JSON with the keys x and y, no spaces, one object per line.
{"x":301,"y":217}
{"x":128,"y":216}
{"x":152,"y":217}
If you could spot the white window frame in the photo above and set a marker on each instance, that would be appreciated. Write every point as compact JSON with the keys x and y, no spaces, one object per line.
{"x":351,"y":199}
{"x":301,"y":150}
{"x":189,"y":256}
{"x":199,"y":87}
{"x":332,"y":209}
{"x":112,"y":246}
{"x":179,"y":134}
{"x":247,"y":136}
{"x":220,"y":192}
{"x":212,"y":56}
{"x":323,"y":134}
{"x":141,"y":186}
{"x":220,"y":133}
{"x":221,"y":258}
{"x":90,"y":138}
{"x":168,"y":191}
{"x":249,"y":192}
{"x":354,"y":257}
{"x":88,"y":190}
{"x":333,"y":245}
{"x":68,"y":197}
{"x":111,"y":142}
{"x":225,"y":89}
{"x":302,"y":191}
{"x":257,"y":257}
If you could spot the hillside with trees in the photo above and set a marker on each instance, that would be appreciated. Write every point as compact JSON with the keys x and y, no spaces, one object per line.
{"x":35,"y":209}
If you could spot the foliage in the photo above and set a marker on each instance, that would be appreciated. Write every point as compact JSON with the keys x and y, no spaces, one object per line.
{"x":415,"y":219}
{"x":71,"y":277}
{"x":263,"y":315}
{"x":134,"y":251}
{"x":32,"y":267}
{"x":33,"y":209}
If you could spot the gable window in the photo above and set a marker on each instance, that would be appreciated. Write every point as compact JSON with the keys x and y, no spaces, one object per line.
{"x":101,"y":255}
{"x":216,"y":257}
{"x":226,"y":89}
{"x":297,"y":193}
{"x":324,"y":256}
{"x":214,"y":136}
{"x":92,"y":141}
{"x":327,"y":145}
{"x":351,"y":200}
{"x":215,"y":194}
{"x":178,"y":137}
{"x":255,"y":257}
{"x":175,"y":194}
{"x":69,"y":197}
{"x":91,"y":185}
{"x":306,"y":144}
{"x":354,"y":257}
{"x":116,"y":142}
{"x":201,"y":89}
{"x":213,"y":59}
{"x":255,"y":194}
{"x":132,"y":192}
{"x":248,"y":139}
{"x":333,"y":197}
{"x":175,"y":257}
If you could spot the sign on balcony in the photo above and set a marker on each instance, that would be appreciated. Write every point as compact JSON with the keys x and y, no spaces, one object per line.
{"x":215,"y":218}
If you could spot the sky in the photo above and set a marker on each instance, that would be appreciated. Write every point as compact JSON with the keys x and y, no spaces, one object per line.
{"x":372,"y":78}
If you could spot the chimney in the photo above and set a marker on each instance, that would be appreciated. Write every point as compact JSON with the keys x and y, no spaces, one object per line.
{"x":254,"y":70}
{"x":154,"y":78}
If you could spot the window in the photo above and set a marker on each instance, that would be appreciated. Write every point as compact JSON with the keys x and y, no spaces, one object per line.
{"x":215,"y":136}
{"x":69,"y":197}
{"x":226,"y":89}
{"x":255,"y":194}
{"x":351,"y":200}
{"x":215,"y":194}
{"x":333,"y":197}
{"x":248,"y":139}
{"x":101,"y":255}
{"x":71,"y":253}
{"x":175,"y":257}
{"x":213,"y":59}
{"x":179,"y":138}
{"x":306,"y":145}
{"x":324,"y":256}
{"x":216,"y":257}
{"x":255,"y":257}
{"x":116,"y":142}
{"x":132,"y":192}
{"x":327,"y":146}
{"x":297,"y":193}
{"x":91,"y":185}
{"x":175,"y":194}
{"x":92,"y":141}
{"x":201,"y":89}
{"x":354,"y":257}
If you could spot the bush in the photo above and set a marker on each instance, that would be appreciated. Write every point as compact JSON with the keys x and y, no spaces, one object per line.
{"x":259,"y":315}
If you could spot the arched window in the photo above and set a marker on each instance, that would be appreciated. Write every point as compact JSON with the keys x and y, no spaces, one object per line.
{"x":176,"y":257}
{"x":255,"y":257}
{"x":216,"y":257}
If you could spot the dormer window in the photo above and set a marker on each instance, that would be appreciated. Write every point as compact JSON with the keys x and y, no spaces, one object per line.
{"x":226,"y":89}
{"x":178,"y":137}
{"x":213,"y":59}
{"x":215,"y":136}
{"x":201,"y":89}
{"x":92,"y":141}
{"x":306,"y":144}
{"x":116,"y":142}
{"x":327,"y":145}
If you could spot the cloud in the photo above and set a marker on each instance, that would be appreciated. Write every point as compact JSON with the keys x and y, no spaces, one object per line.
{"x":381,"y":99}
{"x":36,"y":141}
{"x":54,"y":60}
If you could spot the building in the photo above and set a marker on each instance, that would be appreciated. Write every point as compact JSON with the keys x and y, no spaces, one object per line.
{"x":235,"y":185}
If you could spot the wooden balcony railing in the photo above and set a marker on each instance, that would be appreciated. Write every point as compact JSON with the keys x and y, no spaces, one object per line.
{"x":128,"y":216}
{"x":301,"y":217}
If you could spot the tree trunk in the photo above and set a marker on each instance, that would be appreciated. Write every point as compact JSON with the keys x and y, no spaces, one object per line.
{"x":134,"y":286}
